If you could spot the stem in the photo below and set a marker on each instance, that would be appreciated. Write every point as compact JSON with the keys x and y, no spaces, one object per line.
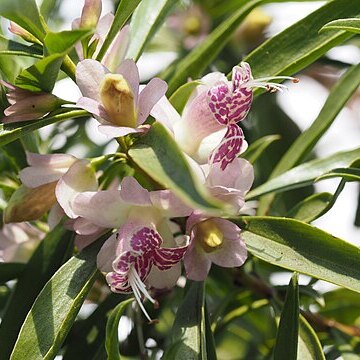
{"x":69,"y":67}
{"x":139,"y":331}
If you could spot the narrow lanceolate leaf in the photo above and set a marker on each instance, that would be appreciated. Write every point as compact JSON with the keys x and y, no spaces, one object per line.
{"x":336,"y":100}
{"x":309,"y":346}
{"x":188,"y":332}
{"x":197,"y":60}
{"x":10,"y":47}
{"x":123,"y":12}
{"x":112,"y":336}
{"x":306,"y":173}
{"x":12,"y":131}
{"x":311,"y":208}
{"x":146,"y":20}
{"x":180,"y":97}
{"x":300,"y":247}
{"x":42,"y":75}
{"x":62,"y":42}
{"x":350,"y":24}
{"x":56,"y":307}
{"x":254,"y":151}
{"x":159,"y":157}
{"x":26,"y":15}
{"x":286,"y":345}
{"x":10,"y":271}
{"x":47,"y":258}
{"x":348,"y":174}
{"x":301,"y":44}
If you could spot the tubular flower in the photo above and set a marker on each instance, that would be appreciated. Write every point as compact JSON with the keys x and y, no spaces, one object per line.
{"x":18,"y":242}
{"x":143,"y":252}
{"x":207,"y":130}
{"x":114,"y":99}
{"x":212,"y":240}
{"x":65,"y":173}
{"x":28,"y":105}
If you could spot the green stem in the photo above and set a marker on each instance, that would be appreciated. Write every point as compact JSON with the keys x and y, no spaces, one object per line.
{"x":69,"y":67}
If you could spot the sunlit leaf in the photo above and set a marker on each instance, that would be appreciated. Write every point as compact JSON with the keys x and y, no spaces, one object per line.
{"x":351,"y":25}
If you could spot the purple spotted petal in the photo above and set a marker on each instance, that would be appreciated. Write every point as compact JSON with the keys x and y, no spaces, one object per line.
{"x":123,"y":262}
{"x":165,"y":258}
{"x":118,"y":282}
{"x":229,"y":147}
{"x":241,"y":75}
{"x":145,"y":240}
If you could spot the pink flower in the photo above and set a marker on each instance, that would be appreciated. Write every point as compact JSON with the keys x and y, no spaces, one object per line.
{"x":18,"y":242}
{"x":28,"y":105}
{"x":114,"y":99}
{"x":70,"y":175}
{"x":212,"y":240}
{"x":144,"y":243}
{"x":207,"y":130}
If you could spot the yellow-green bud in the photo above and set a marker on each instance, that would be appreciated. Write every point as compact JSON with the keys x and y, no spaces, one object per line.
{"x":118,"y":100}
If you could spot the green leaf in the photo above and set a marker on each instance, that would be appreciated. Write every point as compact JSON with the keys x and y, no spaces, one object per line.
{"x":339,"y":95}
{"x":62,"y":42}
{"x":10,"y":271}
{"x":350,"y":24}
{"x":188,"y":332}
{"x":193,"y":64}
{"x":311,"y":208}
{"x":12,"y":131}
{"x":301,"y":44}
{"x":56,"y":307}
{"x":47,"y":258}
{"x":10,"y":47}
{"x":306,"y":173}
{"x":27,"y":16}
{"x":348,"y":174}
{"x":157,"y":155}
{"x":300,"y":247}
{"x":309,"y":347}
{"x":42,"y":75}
{"x":180,"y":97}
{"x":286,"y":345}
{"x":112,"y":336}
{"x":146,"y":20}
{"x":123,"y":12}
{"x":254,"y":151}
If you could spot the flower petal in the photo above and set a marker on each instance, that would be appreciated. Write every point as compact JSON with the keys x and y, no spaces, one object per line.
{"x":94,"y":107}
{"x":80,"y":177}
{"x":133,"y":193}
{"x":130,"y":72}
{"x":116,"y":131}
{"x":113,"y":212}
{"x":107,"y":254}
{"x":229,"y":147}
{"x":89,"y":74}
{"x":165,"y":113}
{"x":233,"y":251}
{"x":197,"y":264}
{"x":149,"y":96}
{"x":164,"y":279}
{"x":55,"y":215}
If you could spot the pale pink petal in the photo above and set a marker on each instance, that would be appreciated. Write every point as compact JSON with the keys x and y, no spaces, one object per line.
{"x":107,"y":254}
{"x":56,"y":213}
{"x":89,"y":74}
{"x":133,"y":193}
{"x":197,"y":264}
{"x":233,"y":251}
{"x":102,"y":30}
{"x":82,"y":241}
{"x":50,"y":160}
{"x":103,"y":208}
{"x":34,"y":176}
{"x":164,"y":279}
{"x":117,"y":131}
{"x":84,"y":227}
{"x":22,"y":117}
{"x":80,"y":177}
{"x":92,"y":106}
{"x":90,"y":13}
{"x":117,"y":50}
{"x":149,"y":96}
{"x":130,"y":72}
{"x":165,"y":113}
{"x":169,"y":204}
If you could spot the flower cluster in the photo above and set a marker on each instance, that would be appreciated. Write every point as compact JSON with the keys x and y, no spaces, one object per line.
{"x":142,"y":253}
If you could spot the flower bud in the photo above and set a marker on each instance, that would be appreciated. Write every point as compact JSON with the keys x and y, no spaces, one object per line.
{"x":30,"y":204}
{"x":90,"y":14}
{"x":118,"y":100}
{"x":19,"y":31}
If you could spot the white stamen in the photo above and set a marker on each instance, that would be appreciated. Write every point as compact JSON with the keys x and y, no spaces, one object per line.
{"x":266,"y":84}
{"x":139,"y":289}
